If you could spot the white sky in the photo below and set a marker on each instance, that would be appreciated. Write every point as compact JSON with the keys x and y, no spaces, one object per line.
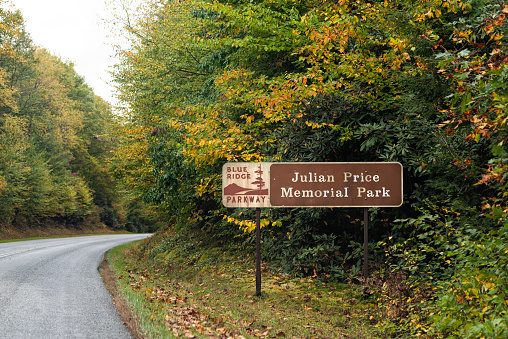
{"x":73,"y":30}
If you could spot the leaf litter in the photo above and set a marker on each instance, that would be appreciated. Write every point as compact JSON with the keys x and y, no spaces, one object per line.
{"x":218,"y":303}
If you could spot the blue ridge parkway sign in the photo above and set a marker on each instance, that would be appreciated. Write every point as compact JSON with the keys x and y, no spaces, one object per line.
{"x":316,"y":184}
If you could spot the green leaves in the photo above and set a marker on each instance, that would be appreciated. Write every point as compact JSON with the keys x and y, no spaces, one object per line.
{"x":422,"y":83}
{"x":53,"y":148}
{"x":475,"y":296}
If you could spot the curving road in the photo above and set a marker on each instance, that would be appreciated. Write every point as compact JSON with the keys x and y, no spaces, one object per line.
{"x":51,"y":288}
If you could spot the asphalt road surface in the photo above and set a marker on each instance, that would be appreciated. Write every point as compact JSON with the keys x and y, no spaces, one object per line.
{"x":51,"y":288}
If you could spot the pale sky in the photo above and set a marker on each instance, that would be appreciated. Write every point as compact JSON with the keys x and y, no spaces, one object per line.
{"x":72,"y":30}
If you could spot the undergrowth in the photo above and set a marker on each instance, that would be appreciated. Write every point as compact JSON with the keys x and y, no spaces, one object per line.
{"x":193,"y":289}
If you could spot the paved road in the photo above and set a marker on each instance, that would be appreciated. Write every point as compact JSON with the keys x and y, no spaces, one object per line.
{"x":51,"y":288}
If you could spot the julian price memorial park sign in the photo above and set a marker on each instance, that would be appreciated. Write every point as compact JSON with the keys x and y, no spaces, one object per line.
{"x":303,"y":184}
{"x":311,"y":184}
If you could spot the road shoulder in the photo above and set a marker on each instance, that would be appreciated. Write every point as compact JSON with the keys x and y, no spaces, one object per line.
{"x":130,"y":321}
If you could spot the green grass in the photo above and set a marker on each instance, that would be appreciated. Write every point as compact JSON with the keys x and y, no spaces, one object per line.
{"x":213,"y":295}
{"x":135,"y":300}
{"x":56,"y":236}
{"x":26,"y":239}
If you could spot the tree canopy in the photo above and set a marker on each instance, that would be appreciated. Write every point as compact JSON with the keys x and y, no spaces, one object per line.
{"x":54,"y":140}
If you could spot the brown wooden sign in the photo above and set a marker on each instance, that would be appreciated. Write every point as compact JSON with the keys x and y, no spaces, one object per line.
{"x":353,"y":184}
{"x":300,"y":184}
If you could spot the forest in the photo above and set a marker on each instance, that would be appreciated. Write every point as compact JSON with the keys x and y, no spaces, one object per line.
{"x":423,"y":83}
{"x":55,"y":146}
{"x":203,"y":83}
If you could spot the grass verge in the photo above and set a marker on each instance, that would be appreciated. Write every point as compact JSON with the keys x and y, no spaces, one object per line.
{"x":11,"y":234}
{"x":173,"y":298}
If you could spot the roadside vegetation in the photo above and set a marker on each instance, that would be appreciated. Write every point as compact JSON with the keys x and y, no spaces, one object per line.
{"x":423,"y":83}
{"x":34,"y":233}
{"x":209,"y":292}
